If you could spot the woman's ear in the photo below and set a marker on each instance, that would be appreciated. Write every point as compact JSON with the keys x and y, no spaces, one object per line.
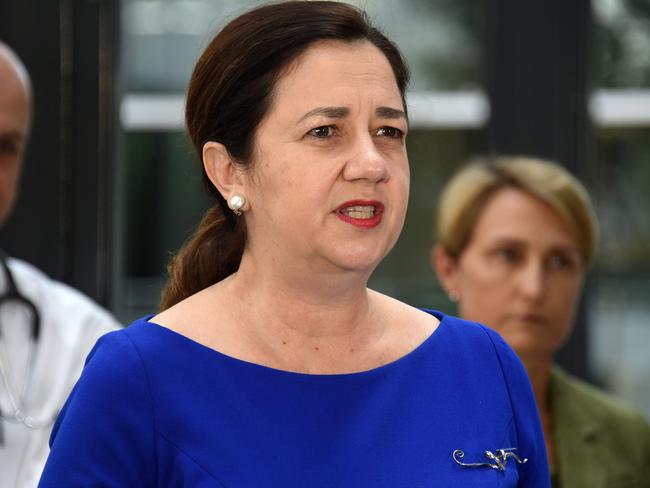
{"x":221,"y":169}
{"x":446,"y":268}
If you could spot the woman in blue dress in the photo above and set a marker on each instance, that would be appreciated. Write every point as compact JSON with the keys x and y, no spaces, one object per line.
{"x":271,"y":364}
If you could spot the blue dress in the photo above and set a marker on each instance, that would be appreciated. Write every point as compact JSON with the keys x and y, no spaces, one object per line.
{"x":156,"y":409}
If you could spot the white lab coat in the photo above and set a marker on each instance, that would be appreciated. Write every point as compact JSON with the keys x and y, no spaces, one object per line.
{"x":70,"y":325}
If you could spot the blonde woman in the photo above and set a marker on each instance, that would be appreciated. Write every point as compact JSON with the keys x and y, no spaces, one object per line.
{"x":515,"y":238}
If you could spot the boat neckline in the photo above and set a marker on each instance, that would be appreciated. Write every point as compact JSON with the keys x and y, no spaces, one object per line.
{"x":381,"y":369}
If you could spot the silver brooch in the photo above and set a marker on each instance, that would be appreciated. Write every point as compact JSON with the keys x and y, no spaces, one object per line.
{"x":499,"y":459}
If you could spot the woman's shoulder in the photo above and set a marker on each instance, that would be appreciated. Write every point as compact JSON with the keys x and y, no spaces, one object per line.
{"x":571,"y":392}
{"x":459,"y":334}
{"x":474,"y":336}
{"x":589,"y":420}
{"x":105,"y":429}
{"x":115,"y":353}
{"x":121,"y":356}
{"x":481,"y":350}
{"x":472,"y":344}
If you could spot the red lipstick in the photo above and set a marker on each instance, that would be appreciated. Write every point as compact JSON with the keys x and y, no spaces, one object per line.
{"x":365,"y":214}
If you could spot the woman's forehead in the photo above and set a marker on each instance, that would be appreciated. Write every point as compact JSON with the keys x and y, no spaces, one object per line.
{"x":329,"y":71}
{"x":515,"y":213}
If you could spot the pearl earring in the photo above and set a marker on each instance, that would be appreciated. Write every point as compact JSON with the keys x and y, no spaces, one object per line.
{"x":236,"y":203}
{"x":454,"y":296}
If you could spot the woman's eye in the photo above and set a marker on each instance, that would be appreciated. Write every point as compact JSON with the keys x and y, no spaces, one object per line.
{"x":560,"y":262}
{"x":392,"y":132}
{"x":508,"y":255}
{"x":322,"y":131}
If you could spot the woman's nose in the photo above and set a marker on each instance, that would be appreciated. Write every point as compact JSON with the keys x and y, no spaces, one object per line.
{"x":367,"y":162}
{"x":532,"y":281}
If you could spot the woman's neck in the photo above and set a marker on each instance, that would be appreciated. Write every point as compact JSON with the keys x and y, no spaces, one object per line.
{"x":325,"y":323}
{"x":332,"y":303}
{"x":539,"y":372}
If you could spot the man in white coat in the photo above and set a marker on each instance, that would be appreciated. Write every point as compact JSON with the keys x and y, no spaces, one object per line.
{"x":42,"y":352}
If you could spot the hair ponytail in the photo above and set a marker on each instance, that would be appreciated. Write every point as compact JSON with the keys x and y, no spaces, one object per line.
{"x":210,"y":255}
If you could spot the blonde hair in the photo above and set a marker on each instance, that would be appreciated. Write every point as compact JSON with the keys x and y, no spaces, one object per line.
{"x":470,"y":189}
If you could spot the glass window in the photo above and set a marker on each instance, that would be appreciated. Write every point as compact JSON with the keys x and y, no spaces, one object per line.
{"x":619,"y":305}
{"x":619,"y":181}
{"x":621,"y":43}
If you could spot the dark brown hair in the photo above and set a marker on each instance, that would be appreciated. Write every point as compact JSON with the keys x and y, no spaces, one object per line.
{"x":230,"y":93}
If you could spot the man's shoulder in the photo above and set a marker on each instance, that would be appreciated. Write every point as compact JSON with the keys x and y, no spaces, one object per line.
{"x":55,"y":297}
{"x":22,"y":270}
{"x":34,"y":283}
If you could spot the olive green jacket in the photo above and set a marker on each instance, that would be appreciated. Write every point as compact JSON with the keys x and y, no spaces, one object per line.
{"x":599,"y":443}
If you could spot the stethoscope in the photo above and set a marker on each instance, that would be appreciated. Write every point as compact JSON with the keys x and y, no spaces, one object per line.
{"x":13,"y":296}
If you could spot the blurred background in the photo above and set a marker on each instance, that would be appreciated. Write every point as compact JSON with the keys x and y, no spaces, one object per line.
{"x":111,"y":188}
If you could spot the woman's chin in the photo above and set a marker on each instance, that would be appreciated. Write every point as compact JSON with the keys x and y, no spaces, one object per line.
{"x":361,"y":263}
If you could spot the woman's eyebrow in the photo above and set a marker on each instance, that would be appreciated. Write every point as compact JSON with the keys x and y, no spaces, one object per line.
{"x":390,"y":113}
{"x":330,"y":112}
{"x":342,"y":112}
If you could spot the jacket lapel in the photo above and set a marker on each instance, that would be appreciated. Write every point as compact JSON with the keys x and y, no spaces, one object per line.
{"x":576,"y":427}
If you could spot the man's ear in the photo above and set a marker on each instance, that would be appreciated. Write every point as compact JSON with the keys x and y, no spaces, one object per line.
{"x":446,"y":268}
{"x":221,"y":169}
